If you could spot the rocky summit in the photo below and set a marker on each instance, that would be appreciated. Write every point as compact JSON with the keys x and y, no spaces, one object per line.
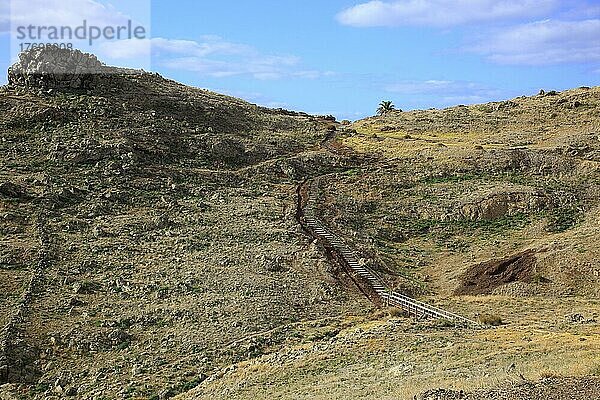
{"x":56,"y":68}
{"x":163,"y":241}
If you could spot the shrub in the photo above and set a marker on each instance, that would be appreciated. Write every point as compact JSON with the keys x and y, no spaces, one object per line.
{"x":444,"y":323}
{"x":490,"y":319}
{"x":394,"y":312}
{"x":549,"y":375}
{"x":563,"y":219}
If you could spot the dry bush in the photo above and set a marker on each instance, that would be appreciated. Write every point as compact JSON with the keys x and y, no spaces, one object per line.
{"x":490,"y":319}
{"x":394,"y":312}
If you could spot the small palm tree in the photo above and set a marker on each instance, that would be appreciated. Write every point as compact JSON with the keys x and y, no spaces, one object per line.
{"x":385,"y":107}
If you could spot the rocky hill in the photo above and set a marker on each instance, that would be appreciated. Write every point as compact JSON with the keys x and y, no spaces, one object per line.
{"x":148,"y":234}
{"x":150,"y":244}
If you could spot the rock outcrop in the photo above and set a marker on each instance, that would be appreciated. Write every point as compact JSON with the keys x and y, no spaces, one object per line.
{"x":503,"y":203}
{"x":55,"y":68}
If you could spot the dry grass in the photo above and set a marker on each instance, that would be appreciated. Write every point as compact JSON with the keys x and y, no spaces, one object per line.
{"x":176,"y":246}
{"x":392,"y":359}
{"x":536,"y":122}
{"x":428,"y":157}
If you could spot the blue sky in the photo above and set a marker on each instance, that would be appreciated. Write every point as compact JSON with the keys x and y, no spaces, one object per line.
{"x":343,"y":57}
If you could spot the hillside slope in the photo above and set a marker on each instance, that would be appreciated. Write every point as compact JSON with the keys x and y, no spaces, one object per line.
{"x":490,"y":210}
{"x":150,"y":244}
{"x":148,"y":236}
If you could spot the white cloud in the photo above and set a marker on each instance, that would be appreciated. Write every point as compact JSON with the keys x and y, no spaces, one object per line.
{"x":441,"y":13}
{"x":579,"y":9}
{"x":124,"y":49}
{"x":4,"y":16}
{"x":442,"y":93}
{"x":161,"y":46}
{"x":440,"y":87}
{"x":543,"y":43}
{"x":313,"y":74}
{"x":209,"y":45}
{"x":209,"y":55}
{"x":421,"y":87}
{"x":64,"y":13}
{"x":215,"y":57}
{"x":262,"y":68}
{"x":73,"y":14}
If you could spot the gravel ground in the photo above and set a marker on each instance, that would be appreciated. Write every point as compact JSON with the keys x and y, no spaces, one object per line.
{"x":545,"y":389}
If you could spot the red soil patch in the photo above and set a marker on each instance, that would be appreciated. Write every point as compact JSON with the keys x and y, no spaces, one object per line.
{"x":485,"y":277}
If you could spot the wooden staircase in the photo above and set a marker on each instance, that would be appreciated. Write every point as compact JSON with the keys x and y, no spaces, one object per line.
{"x":360,"y":269}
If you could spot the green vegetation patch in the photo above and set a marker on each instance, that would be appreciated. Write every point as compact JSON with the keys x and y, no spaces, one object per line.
{"x":564,"y":218}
